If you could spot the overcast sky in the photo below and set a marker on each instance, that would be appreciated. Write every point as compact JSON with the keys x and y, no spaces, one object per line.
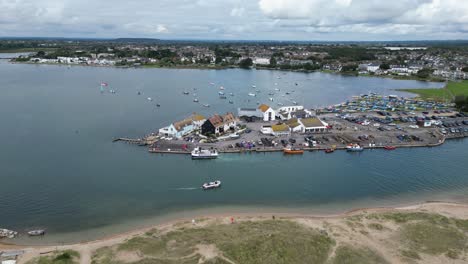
{"x":237,"y":19}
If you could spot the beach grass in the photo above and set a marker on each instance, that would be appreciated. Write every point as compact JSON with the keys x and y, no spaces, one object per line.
{"x":58,"y":257}
{"x":347,"y":254}
{"x":370,"y":237}
{"x":447,"y":93}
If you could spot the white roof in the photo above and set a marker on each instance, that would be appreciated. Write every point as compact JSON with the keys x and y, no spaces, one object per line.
{"x":9,"y":262}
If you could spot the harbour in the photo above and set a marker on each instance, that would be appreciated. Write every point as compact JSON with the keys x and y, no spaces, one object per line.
{"x":73,"y":181}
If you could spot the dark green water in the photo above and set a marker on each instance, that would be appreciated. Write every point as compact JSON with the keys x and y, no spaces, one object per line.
{"x":59,"y":169}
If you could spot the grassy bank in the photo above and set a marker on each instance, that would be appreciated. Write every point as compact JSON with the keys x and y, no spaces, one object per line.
{"x":447,"y":93}
{"x":433,"y":233}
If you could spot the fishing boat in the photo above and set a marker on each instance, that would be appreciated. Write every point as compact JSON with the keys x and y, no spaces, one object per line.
{"x":354,"y":148}
{"x":158,"y":105}
{"x":251,"y":94}
{"x":329,"y":150}
{"x":221,"y":88}
{"x":211,"y":185}
{"x":206,"y":105}
{"x":291,"y":150}
{"x":254,"y":86}
{"x":390,"y":147}
{"x":39,"y":232}
{"x":195,"y":100}
{"x":221,"y":93}
{"x":149,"y":99}
{"x":185,"y":92}
{"x":277,"y":89}
{"x":199,"y":153}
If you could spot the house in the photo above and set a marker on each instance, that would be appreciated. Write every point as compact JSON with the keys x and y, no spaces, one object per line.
{"x":313,"y":124}
{"x":261,"y":61}
{"x":370,"y":67}
{"x":294,"y":125}
{"x":218,"y":124}
{"x":267,"y":112}
{"x":280,"y":130}
{"x":184,"y":127}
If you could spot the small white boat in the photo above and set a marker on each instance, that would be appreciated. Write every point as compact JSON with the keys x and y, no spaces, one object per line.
{"x":271,"y":99}
{"x":354,"y":148}
{"x":7,"y":233}
{"x":39,"y":232}
{"x":280,"y":104}
{"x":277,"y":89}
{"x":195,"y":100}
{"x":231,"y":102}
{"x":211,"y":185}
{"x":294,"y":102}
{"x":206,"y":105}
{"x":221,"y":93}
{"x":252,"y":94}
{"x":185,"y":92}
{"x":254,"y":86}
{"x":149,"y":99}
{"x":231,"y":94}
{"x":221,"y":88}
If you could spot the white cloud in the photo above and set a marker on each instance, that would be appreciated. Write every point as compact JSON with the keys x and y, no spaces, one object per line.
{"x":161,"y":29}
{"x":237,"y":11}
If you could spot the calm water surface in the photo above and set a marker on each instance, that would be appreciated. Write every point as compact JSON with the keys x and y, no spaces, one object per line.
{"x":59,"y":169}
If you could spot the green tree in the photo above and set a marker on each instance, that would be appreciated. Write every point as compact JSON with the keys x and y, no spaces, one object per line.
{"x":424,"y":73}
{"x":465,"y":69}
{"x":384,"y":66}
{"x":273,"y":62}
{"x":246,"y":63}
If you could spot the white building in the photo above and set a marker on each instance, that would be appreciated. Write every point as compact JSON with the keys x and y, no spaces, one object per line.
{"x":268,"y":112}
{"x":261,"y":61}
{"x":313,"y":124}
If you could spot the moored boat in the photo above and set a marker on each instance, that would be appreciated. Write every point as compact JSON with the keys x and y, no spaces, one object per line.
{"x":291,"y":150}
{"x":354,"y":148}
{"x":39,"y":232}
{"x":199,"y":153}
{"x":211,"y":185}
{"x":390,"y":147}
{"x":329,"y":150}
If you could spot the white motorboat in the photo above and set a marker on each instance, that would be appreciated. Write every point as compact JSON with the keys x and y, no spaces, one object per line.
{"x":206,"y":105}
{"x":251,"y":94}
{"x":211,"y":185}
{"x":7,"y":233}
{"x":354,"y":148}
{"x":195,"y":100}
{"x":39,"y":232}
{"x":199,"y":153}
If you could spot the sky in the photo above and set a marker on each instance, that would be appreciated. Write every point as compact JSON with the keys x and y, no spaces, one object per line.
{"x":308,"y":20}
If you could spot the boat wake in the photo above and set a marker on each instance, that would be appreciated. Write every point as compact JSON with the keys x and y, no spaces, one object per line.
{"x":186,"y":188}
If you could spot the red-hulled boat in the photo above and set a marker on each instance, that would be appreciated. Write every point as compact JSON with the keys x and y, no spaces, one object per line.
{"x":329,"y":150}
{"x":390,"y":147}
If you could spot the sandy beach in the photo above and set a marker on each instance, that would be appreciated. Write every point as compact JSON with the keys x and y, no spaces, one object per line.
{"x":86,"y":250}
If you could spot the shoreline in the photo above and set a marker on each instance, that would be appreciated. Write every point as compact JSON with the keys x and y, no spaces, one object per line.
{"x":202,"y":67}
{"x":244,"y":216}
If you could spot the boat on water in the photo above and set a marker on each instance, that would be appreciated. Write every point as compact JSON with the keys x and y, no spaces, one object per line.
{"x":221,"y":93}
{"x":200,"y":153}
{"x":254,"y":86}
{"x":354,"y":148}
{"x":206,"y":105}
{"x":221,"y":88}
{"x":38,"y":232}
{"x":231,"y":102}
{"x":329,"y":150}
{"x":390,"y":147}
{"x":277,"y":89}
{"x":149,"y":99}
{"x":185,"y":92}
{"x":252,"y":94}
{"x":211,"y":185}
{"x":7,"y":233}
{"x":280,"y":104}
{"x":292,"y":150}
{"x":231,"y":94}
{"x":195,"y":100}
{"x":271,"y":99}
{"x":158,"y":105}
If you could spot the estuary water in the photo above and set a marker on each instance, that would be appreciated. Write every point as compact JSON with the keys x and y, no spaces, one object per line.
{"x":59,"y":169}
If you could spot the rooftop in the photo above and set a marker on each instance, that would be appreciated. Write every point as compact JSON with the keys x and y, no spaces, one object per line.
{"x":312,"y":122}
{"x":280,"y":128}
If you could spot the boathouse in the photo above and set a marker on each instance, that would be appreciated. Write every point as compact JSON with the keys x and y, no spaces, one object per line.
{"x":313,"y":125}
{"x":267,"y":112}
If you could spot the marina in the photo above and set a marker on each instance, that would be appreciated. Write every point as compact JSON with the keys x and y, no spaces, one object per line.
{"x":84,"y":186}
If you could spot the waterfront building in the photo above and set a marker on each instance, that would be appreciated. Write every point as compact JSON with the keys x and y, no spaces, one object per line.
{"x":294,"y":125}
{"x":267,"y":112}
{"x":296,"y":111}
{"x":218,"y":124}
{"x":313,"y":124}
{"x":183,"y":127}
{"x":280,"y":130}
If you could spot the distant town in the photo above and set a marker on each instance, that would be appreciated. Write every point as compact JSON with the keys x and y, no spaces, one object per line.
{"x":432,"y":61}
